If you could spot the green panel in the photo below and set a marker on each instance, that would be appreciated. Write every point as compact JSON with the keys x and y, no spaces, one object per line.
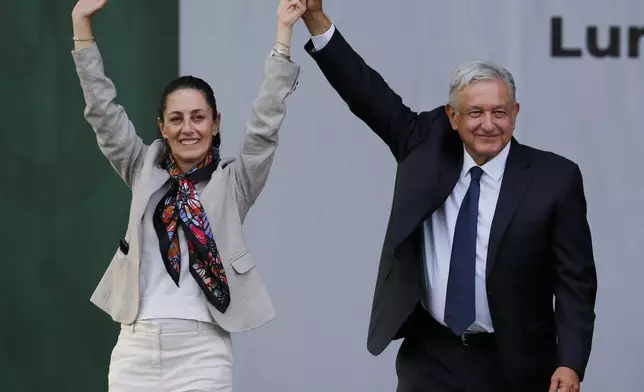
{"x":64,"y":207}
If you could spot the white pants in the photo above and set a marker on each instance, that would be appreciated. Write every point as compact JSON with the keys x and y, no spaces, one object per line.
{"x":171,"y":355}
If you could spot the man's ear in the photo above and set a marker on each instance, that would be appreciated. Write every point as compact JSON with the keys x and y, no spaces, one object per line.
{"x":517,"y":107}
{"x":451,"y":114}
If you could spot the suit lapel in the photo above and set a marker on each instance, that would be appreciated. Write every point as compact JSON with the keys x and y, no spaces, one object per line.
{"x":516,"y":180}
{"x":156,"y":178}
{"x":429,"y":195}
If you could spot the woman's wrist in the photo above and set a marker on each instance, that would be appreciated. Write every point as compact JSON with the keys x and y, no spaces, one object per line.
{"x":283,"y":38}
{"x":81,"y":25}
{"x":82,"y":28}
{"x":80,"y":20}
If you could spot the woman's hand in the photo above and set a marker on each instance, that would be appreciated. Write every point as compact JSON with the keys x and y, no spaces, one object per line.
{"x":81,"y":18}
{"x":289,"y":11}
{"x":85,"y":9}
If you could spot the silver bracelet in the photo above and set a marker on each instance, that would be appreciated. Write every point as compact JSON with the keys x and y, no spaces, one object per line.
{"x":280,"y":53}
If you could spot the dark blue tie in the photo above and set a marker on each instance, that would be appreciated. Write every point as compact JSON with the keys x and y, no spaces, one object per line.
{"x":460,"y":305}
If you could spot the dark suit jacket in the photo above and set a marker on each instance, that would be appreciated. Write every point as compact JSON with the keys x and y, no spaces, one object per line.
{"x":540,"y":242}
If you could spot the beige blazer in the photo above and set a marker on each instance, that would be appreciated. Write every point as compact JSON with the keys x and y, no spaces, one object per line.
{"x":227,"y":197}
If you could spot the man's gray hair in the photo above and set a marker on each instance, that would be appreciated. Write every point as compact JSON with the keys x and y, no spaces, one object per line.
{"x":474,"y":71}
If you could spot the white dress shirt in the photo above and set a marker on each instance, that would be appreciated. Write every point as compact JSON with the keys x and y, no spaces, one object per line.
{"x":320,"y":41}
{"x":438,"y":237}
{"x":439,"y":230}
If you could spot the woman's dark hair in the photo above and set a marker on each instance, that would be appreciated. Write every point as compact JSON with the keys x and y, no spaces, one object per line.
{"x":191,"y":83}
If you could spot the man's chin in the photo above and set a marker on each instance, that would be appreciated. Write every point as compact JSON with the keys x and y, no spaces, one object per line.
{"x":491,"y":152}
{"x":491,"y":148}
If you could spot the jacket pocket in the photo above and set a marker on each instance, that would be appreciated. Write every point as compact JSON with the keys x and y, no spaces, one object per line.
{"x":242,"y":263}
{"x":541,"y":335}
{"x":119,"y":255}
{"x":124,"y":246}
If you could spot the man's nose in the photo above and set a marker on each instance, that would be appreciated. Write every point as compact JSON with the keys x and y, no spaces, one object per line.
{"x":488,"y":122}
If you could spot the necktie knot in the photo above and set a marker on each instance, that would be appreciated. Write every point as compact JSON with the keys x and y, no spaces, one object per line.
{"x":476,"y":173}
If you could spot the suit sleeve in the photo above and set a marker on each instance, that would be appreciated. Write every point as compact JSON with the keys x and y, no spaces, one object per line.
{"x":576,"y":287}
{"x":252,"y":168}
{"x":115,"y":133}
{"x":368,"y":96}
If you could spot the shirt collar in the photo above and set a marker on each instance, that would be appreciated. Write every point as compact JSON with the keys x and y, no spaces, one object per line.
{"x":493,"y":168}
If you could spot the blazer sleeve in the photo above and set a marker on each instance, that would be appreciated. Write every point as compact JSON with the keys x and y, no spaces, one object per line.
{"x":116,"y":136}
{"x":252,"y":168}
{"x":369,"y":97}
{"x":576,"y":288}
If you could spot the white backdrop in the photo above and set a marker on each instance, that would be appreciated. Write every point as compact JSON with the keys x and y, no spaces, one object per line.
{"x":317,"y":229}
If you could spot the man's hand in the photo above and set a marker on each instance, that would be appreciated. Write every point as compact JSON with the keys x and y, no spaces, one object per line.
{"x":315,"y":19}
{"x":564,"y":380}
{"x":313,"y":6}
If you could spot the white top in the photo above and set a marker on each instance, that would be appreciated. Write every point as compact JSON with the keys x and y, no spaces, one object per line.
{"x":160,"y":296}
{"x":439,"y":230}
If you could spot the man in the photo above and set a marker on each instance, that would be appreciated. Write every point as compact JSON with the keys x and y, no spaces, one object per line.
{"x":483,"y":233}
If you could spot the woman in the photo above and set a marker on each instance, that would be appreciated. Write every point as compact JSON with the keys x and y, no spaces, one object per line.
{"x":183,"y":279}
